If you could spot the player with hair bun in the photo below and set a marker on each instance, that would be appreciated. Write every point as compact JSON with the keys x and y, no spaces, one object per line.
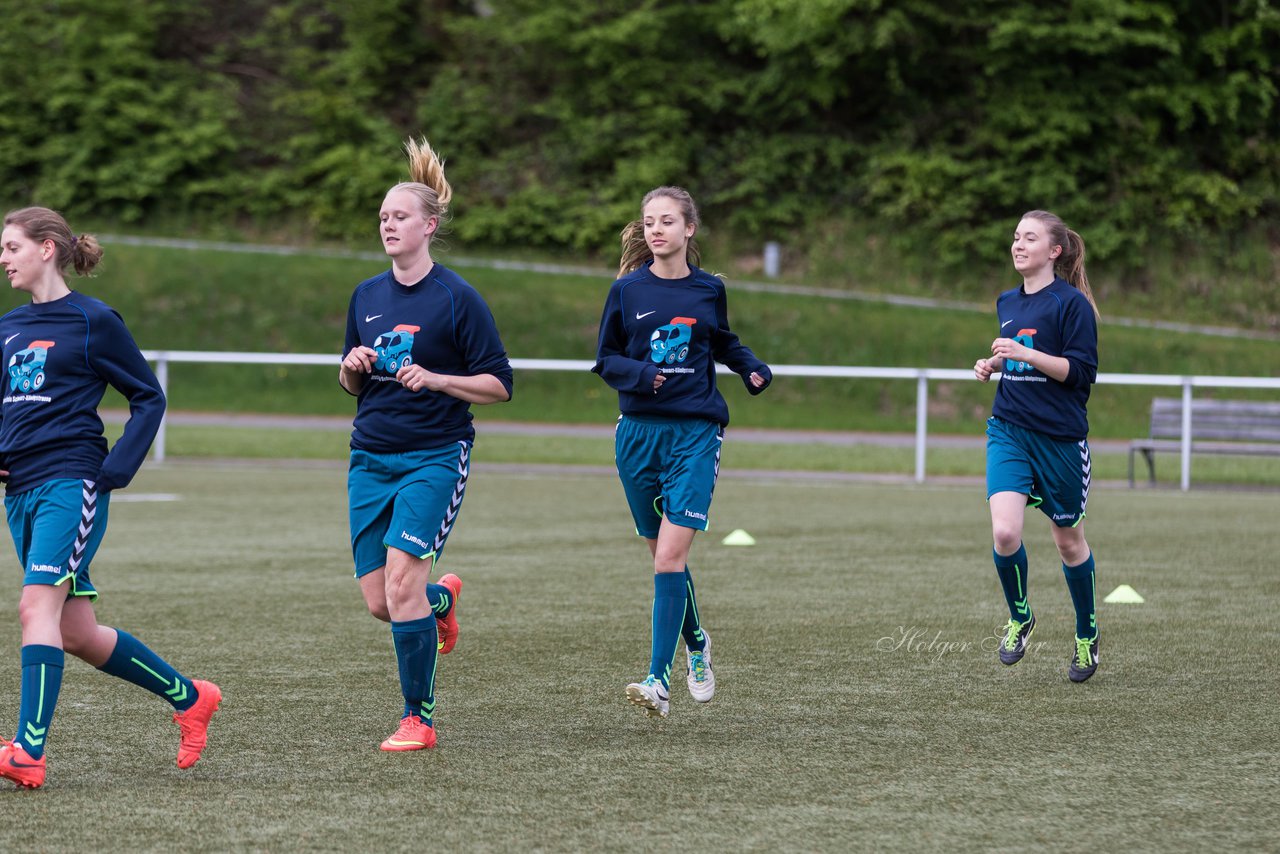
{"x":61,"y":351}
{"x":665,"y":326}
{"x":1037,"y":436}
{"x":421,"y":348}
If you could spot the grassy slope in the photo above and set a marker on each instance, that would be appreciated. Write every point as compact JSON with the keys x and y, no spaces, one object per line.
{"x":176,"y":299}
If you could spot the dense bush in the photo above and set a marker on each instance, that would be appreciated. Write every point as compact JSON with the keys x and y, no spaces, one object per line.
{"x":1151,"y":121}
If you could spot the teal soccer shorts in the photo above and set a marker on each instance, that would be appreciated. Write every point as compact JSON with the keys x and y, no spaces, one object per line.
{"x":408,"y":501}
{"x":1054,"y":475}
{"x":57,"y":528}
{"x":668,"y":466}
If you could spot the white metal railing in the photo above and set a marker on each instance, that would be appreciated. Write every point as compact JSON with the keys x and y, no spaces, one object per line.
{"x":922,"y":376}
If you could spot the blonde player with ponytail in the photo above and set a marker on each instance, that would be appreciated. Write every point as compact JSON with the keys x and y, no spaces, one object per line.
{"x":421,"y":348}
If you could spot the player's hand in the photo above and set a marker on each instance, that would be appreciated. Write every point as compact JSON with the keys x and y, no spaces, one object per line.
{"x":658,"y":380}
{"x":756,"y":380}
{"x":1007,"y":348}
{"x":983,"y":369}
{"x":416,"y":378}
{"x":360,"y":360}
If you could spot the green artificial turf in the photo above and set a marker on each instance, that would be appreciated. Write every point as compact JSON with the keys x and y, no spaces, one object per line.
{"x":860,"y":703}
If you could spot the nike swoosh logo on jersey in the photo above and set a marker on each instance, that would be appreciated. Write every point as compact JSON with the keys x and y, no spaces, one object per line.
{"x":11,"y":337}
{"x":1006,"y":323}
{"x":370,"y":318}
{"x":640,"y":316}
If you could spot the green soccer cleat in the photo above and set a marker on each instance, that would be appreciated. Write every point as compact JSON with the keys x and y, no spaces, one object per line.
{"x":1085,"y":661}
{"x":1016,"y":637}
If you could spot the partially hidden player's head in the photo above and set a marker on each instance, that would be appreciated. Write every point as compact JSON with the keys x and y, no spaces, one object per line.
{"x":666,"y":228}
{"x":37,"y":245}
{"x":1042,"y":239}
{"x":413,"y":211}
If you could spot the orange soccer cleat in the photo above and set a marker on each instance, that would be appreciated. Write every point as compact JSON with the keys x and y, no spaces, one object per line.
{"x":17,"y":766}
{"x":447,"y":626}
{"x":194,"y":722}
{"x":413,"y":734}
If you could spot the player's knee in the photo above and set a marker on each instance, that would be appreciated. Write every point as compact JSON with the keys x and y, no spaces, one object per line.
{"x":379,"y":610}
{"x":1073,"y":552}
{"x":1007,"y":537}
{"x":34,"y":611}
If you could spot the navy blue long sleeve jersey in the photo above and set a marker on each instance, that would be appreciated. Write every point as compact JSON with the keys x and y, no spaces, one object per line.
{"x":60,"y":357}
{"x":440,"y":323}
{"x":1057,"y":320}
{"x":676,"y":327}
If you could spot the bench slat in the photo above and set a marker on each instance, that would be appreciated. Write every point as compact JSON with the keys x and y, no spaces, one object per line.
{"x":1240,"y":427}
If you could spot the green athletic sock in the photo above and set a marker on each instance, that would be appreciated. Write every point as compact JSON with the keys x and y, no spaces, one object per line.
{"x":669,"y":597}
{"x":1080,"y":581}
{"x":440,"y":599}
{"x":133,"y":661}
{"x":415,"y":642}
{"x":41,"y":682}
{"x":1012,"y":570}
{"x":691,"y":630}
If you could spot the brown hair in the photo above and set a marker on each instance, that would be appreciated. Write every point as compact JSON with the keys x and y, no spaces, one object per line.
{"x":635,"y":251}
{"x":40,"y":224}
{"x":426,"y":169}
{"x":1070,"y":264}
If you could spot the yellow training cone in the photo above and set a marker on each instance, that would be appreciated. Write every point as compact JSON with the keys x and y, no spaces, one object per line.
{"x":739,"y":538}
{"x":1124,"y":594}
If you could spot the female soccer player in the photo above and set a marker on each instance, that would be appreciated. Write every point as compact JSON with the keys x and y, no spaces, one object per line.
{"x":421,"y":347}
{"x":665,"y":325}
{"x":1037,"y":436}
{"x":62,"y":350}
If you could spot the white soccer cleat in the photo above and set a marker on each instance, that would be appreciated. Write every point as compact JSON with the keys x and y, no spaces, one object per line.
{"x":702,"y":682}
{"x":650,"y":696}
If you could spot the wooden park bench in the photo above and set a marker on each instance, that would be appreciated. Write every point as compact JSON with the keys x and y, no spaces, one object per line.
{"x":1217,"y":427}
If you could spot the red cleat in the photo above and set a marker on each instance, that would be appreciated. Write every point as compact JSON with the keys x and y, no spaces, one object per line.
{"x":17,"y":766}
{"x":194,"y":722}
{"x":413,"y":734}
{"x":447,"y":626}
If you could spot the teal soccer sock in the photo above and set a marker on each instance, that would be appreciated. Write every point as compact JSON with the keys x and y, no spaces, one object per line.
{"x":41,"y":682}
{"x":440,"y":599}
{"x":691,"y":630}
{"x":670,"y":594}
{"x":133,"y":661}
{"x":1012,"y":570}
{"x":415,"y":642}
{"x":1081,"y":583}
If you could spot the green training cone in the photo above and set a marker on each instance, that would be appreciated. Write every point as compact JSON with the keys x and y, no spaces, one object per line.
{"x":1124,"y":594}
{"x":738,"y":537}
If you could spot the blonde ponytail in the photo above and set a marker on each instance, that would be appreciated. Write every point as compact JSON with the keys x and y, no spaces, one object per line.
{"x":426,"y":169}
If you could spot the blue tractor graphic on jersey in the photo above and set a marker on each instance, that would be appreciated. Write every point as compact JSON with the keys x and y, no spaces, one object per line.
{"x":26,"y":367}
{"x":394,"y":348}
{"x":670,"y":343}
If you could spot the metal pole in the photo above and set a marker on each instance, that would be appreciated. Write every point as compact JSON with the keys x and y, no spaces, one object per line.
{"x":162,"y":374}
{"x":1186,"y":433}
{"x":922,"y":423}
